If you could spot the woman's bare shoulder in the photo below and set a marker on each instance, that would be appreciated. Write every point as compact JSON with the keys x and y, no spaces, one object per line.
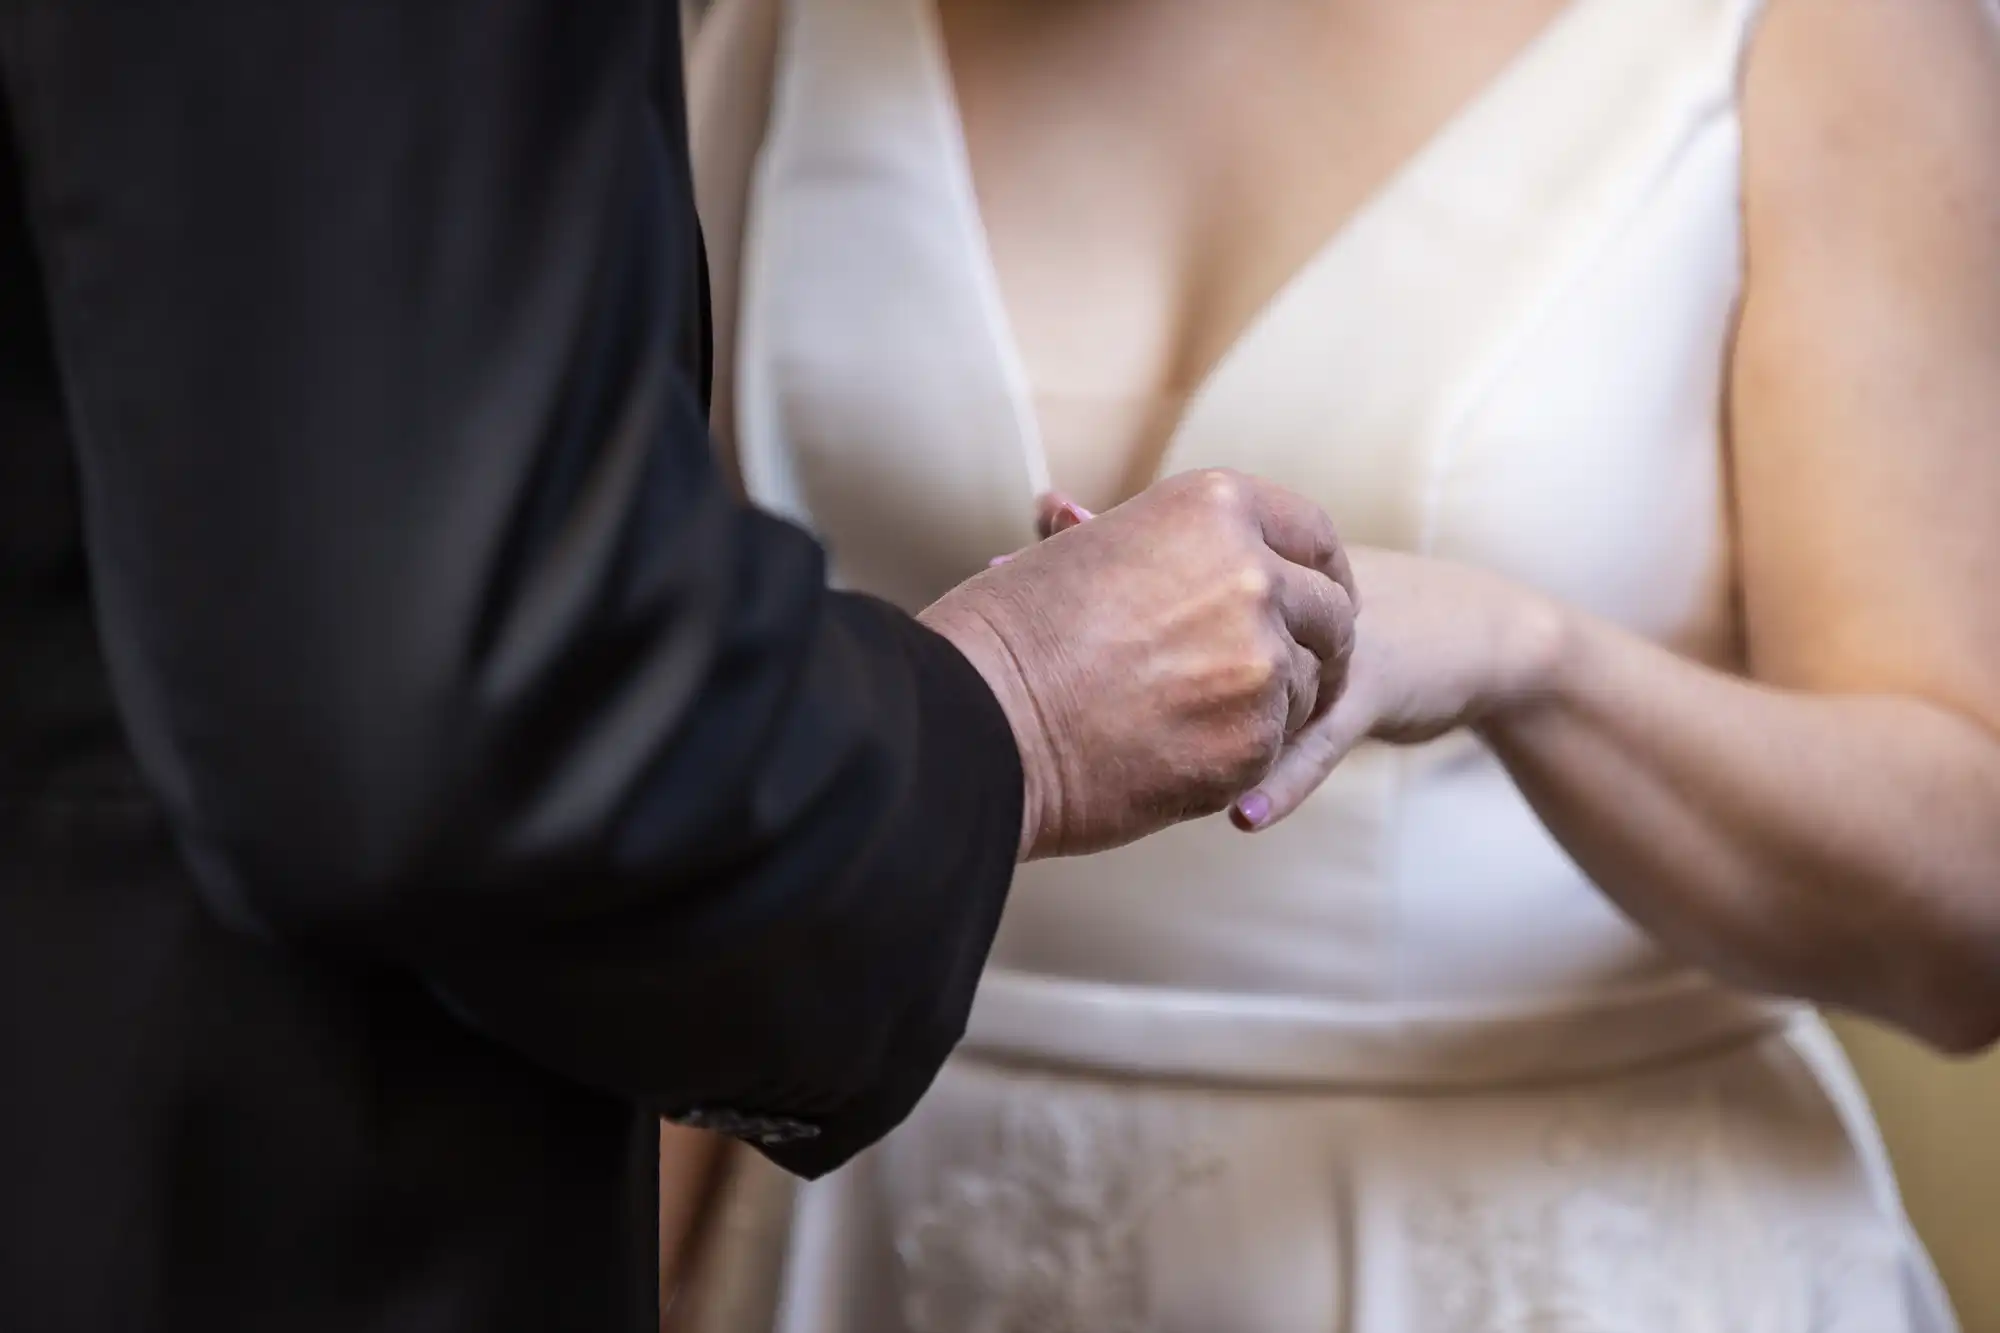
{"x":1844,"y":97}
{"x":1866,"y":376}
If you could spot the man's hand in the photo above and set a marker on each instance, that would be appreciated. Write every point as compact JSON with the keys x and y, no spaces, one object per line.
{"x":1154,"y":660}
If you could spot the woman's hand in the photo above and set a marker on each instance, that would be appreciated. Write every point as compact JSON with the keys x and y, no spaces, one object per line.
{"x":1438,"y":646}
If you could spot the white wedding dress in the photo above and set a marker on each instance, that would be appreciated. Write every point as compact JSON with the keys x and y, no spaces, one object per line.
{"x":1394,"y":1066}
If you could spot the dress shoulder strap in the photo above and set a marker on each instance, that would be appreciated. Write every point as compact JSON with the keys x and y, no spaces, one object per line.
{"x":1745,"y":17}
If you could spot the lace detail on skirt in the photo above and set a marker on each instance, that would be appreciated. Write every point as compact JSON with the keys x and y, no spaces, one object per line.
{"x":1043,"y":1234}
{"x":1650,"y":1216}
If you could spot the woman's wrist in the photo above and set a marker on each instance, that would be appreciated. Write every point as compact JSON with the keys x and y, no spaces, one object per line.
{"x":1538,"y":644}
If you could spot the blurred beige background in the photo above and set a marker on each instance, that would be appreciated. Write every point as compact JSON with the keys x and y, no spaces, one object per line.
{"x":1942,"y":1119}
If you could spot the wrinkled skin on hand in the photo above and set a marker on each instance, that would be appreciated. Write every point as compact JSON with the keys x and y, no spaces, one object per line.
{"x":1154,"y":660}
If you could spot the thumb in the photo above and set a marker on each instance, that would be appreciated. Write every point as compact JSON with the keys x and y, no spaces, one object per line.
{"x":1303,"y":764}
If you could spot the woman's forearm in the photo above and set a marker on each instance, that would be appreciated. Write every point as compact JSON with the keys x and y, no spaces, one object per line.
{"x":1842,"y":849}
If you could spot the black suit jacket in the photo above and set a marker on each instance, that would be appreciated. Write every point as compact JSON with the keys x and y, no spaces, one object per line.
{"x":416,"y":772}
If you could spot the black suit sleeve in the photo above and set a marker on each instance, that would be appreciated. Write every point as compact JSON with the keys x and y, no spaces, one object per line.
{"x":430,"y":620}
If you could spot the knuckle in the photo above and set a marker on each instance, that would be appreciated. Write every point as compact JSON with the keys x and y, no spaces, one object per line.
{"x":1255,"y":583}
{"x":1222,"y":488}
{"x":1212,"y":798}
{"x":1277,"y":650}
{"x":1262,"y":672}
{"x":1256,"y":759}
{"x":1227,"y":776}
{"x":1344,"y":625}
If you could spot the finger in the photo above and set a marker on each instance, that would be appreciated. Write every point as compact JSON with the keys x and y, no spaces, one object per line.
{"x":1318,"y":614}
{"x":1303,"y":690}
{"x":1302,"y":765}
{"x":1056,"y":512}
{"x":1300,"y":531}
{"x":1046,"y":505}
{"x":1069,"y":516}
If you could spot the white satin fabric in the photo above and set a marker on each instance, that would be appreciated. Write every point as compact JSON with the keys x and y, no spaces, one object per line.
{"x":1394,"y":1066}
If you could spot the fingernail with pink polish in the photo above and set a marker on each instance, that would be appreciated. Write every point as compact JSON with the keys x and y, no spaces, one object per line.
{"x":1000,"y":560}
{"x":1253,"y":811}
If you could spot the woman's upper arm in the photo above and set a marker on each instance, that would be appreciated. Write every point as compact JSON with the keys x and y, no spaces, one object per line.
{"x":1865,"y":402}
{"x":732,"y":65}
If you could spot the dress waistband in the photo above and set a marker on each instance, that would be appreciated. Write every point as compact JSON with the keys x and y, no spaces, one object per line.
{"x":1203,"y":1037}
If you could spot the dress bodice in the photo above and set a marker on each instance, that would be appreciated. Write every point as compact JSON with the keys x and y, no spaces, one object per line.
{"x":1512,"y":356}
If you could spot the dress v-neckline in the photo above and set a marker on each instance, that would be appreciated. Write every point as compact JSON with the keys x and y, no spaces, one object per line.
{"x":942,"y":86}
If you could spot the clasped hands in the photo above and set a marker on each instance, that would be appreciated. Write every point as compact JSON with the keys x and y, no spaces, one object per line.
{"x":1211,"y":645}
